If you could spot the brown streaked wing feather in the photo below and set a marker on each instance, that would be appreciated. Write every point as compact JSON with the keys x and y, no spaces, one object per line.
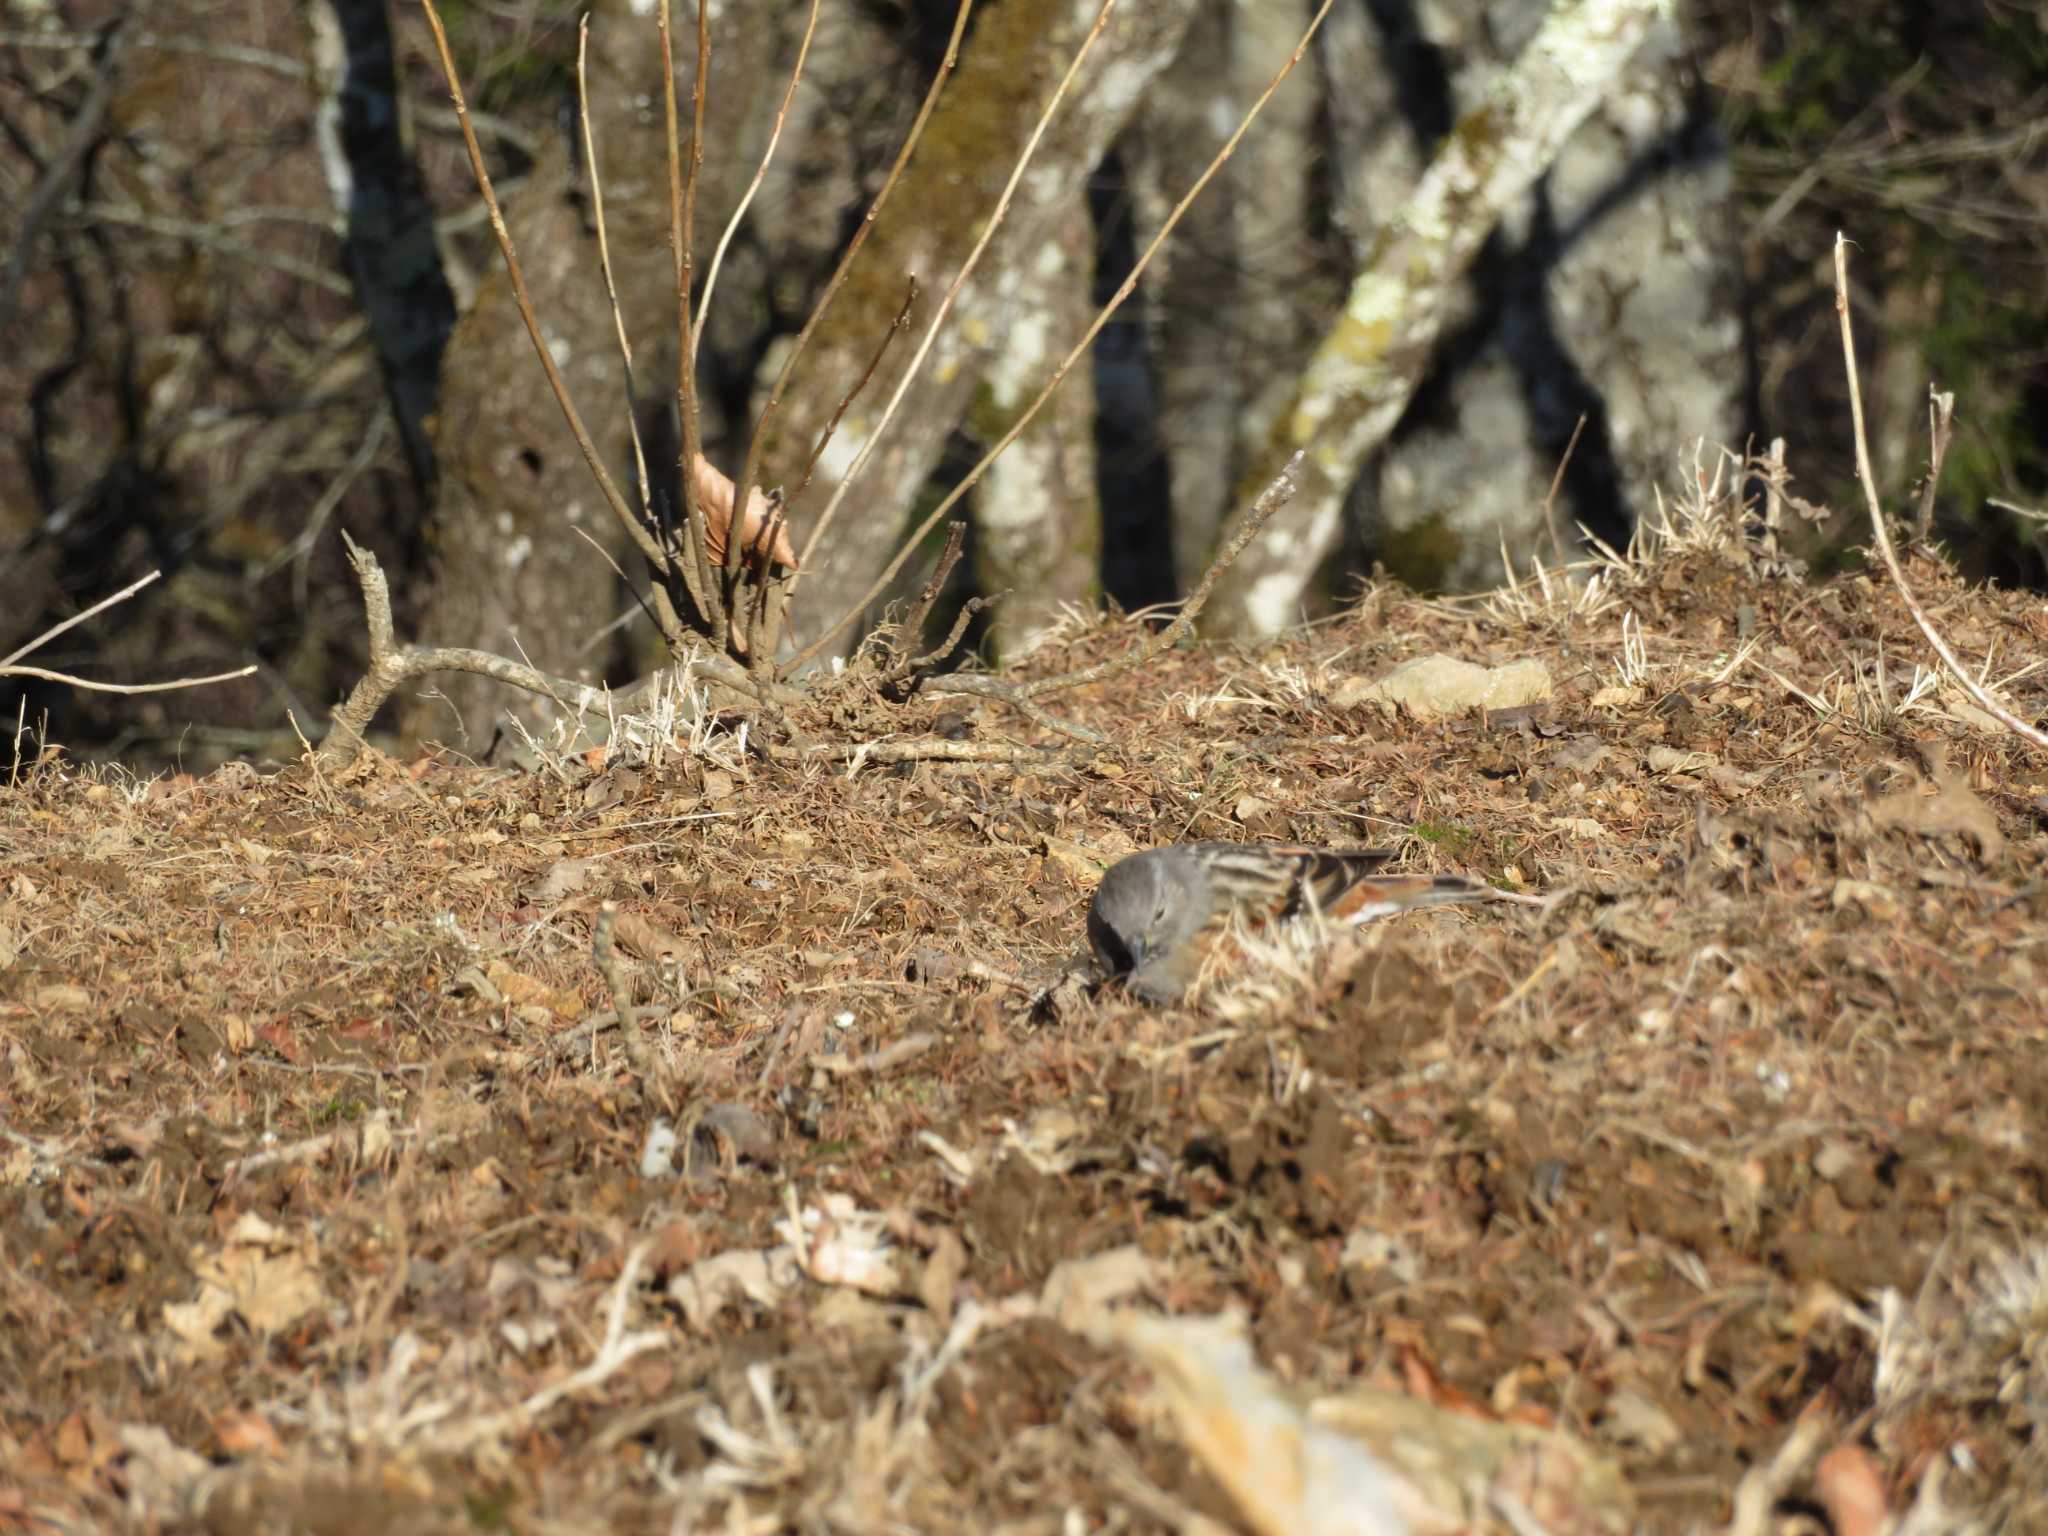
{"x":1329,"y":875}
{"x":1259,"y":881}
{"x":1405,"y":891}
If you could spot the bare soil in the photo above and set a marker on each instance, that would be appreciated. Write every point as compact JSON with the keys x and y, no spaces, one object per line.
{"x":317,"y":1195}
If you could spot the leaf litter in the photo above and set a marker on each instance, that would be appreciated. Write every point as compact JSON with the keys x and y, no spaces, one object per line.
{"x":1704,"y":1191}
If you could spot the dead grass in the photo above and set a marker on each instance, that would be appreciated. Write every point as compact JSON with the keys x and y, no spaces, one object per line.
{"x":322,"y":1206}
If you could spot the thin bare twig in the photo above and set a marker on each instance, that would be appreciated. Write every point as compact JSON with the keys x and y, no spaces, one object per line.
{"x":1102,"y":318}
{"x":1557,"y":484}
{"x":650,"y":548}
{"x":604,"y":260}
{"x":695,"y":559}
{"x":923,"y":750}
{"x":1277,"y":494}
{"x":908,"y":669}
{"x":908,"y":631}
{"x":98,"y":687}
{"x":837,"y":281}
{"x":900,"y":324}
{"x":760,"y":174}
{"x":9,"y":666}
{"x":76,"y":619}
{"x":1882,"y":535}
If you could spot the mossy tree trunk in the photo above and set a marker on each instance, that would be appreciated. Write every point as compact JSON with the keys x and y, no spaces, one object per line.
{"x":1009,"y":67}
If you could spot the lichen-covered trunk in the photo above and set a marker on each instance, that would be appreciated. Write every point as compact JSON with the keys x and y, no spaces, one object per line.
{"x":1008,"y":70}
{"x":1412,"y":290}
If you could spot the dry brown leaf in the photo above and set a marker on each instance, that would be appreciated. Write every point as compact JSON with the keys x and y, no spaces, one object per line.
{"x":714,"y":500}
{"x":1953,"y":809}
{"x":644,"y":940}
{"x":1852,"y":1492}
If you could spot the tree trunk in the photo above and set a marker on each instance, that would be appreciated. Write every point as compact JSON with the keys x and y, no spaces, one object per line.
{"x":1018,"y":52}
{"x":373,"y":175}
{"x":1367,"y":367}
{"x":1608,"y":293}
{"x":1037,"y":518}
{"x":510,"y":573}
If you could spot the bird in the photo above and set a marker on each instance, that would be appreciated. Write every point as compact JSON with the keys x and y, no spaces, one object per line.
{"x":1156,"y":914}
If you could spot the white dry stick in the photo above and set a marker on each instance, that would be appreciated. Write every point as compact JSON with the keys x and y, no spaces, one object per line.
{"x":8,"y":667}
{"x":1882,"y":536}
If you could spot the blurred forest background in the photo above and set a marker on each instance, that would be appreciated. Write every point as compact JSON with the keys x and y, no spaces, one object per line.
{"x":250,"y":299}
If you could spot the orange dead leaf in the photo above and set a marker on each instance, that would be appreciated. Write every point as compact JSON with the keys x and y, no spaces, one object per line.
{"x":1852,"y":1492}
{"x":247,"y":1434}
{"x":714,"y":500}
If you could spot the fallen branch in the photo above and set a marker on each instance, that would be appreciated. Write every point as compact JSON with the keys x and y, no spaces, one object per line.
{"x":392,"y":665}
{"x":1881,"y":536}
{"x":919,"y":750}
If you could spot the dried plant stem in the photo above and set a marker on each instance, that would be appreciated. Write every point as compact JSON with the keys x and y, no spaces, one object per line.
{"x":1550,"y":500}
{"x":920,"y":750}
{"x":909,"y":630}
{"x":908,"y":670}
{"x":77,"y":619}
{"x":752,"y":466}
{"x":9,"y":663}
{"x":672,"y":627}
{"x":1102,"y":318}
{"x":993,"y":223}
{"x":93,"y":686}
{"x":896,"y":327}
{"x":698,"y":576}
{"x":732,"y":224}
{"x":1882,"y":535}
{"x":1277,"y":493}
{"x":604,"y":260}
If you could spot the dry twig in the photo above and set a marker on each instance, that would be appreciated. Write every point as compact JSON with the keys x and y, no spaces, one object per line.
{"x":1882,"y":535}
{"x":9,"y":663}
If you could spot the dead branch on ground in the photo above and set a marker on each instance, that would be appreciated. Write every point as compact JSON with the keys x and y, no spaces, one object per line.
{"x":393,"y":664}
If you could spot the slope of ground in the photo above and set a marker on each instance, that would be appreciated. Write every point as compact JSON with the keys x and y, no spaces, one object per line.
{"x":322,"y":1208}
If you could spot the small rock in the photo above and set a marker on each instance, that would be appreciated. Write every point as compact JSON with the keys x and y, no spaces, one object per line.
{"x":1434,"y":686}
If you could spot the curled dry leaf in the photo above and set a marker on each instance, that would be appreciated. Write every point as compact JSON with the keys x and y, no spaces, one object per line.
{"x":715,"y":498}
{"x":1852,"y":1492}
